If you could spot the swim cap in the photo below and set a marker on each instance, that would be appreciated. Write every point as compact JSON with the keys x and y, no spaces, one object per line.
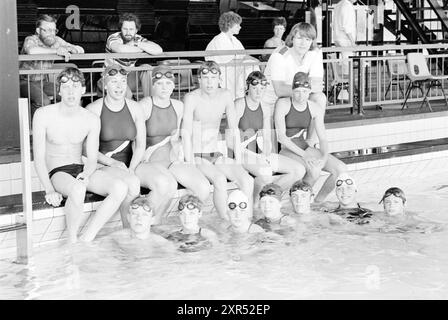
{"x":189,"y":198}
{"x":162,"y":71}
{"x":273,"y":190}
{"x":396,"y":192}
{"x":301,"y":81}
{"x":345,"y":178}
{"x":300,"y":185}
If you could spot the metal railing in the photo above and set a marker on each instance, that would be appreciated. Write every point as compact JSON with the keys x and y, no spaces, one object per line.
{"x":367,"y":81}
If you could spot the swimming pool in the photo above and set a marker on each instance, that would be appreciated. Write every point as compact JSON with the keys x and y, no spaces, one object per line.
{"x":332,"y":263}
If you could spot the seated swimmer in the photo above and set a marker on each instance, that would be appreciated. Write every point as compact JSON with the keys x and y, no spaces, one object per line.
{"x":192,"y":237}
{"x":349,"y":208}
{"x":239,"y":214}
{"x":301,"y":196}
{"x":394,"y":202}
{"x":270,"y":205}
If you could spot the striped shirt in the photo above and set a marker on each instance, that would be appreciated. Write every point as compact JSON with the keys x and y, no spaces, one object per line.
{"x":117,"y":38}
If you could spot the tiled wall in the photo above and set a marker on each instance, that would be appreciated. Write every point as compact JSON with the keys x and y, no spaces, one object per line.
{"x":11,"y":179}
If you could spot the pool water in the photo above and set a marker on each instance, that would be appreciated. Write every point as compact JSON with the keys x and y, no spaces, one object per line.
{"x":318,"y":262}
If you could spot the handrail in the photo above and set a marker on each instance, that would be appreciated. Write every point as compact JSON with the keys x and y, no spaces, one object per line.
{"x":185,"y":54}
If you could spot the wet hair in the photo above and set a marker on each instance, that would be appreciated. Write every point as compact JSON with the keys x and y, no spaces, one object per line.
{"x":279,"y":21}
{"x":228,"y":19}
{"x":129,"y":17}
{"x":396,"y":192}
{"x":209,"y":64}
{"x":46,"y":18}
{"x":70,"y":72}
{"x":301,"y":185}
{"x":304,"y":29}
{"x":255,"y":75}
{"x":191,"y":198}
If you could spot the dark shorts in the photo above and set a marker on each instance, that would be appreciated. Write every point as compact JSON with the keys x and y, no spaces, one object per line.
{"x":210,"y":156}
{"x":72,"y":169}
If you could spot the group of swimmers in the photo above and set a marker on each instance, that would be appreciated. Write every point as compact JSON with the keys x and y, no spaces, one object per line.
{"x":116,"y":145}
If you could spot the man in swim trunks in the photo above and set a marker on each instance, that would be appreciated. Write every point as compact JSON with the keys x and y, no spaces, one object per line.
{"x":394,"y":201}
{"x":239,"y":215}
{"x":60,"y":131}
{"x":349,"y":208}
{"x":301,"y":195}
{"x":204,"y":109}
{"x":270,"y":205}
{"x":191,"y":236}
{"x":293,"y":117}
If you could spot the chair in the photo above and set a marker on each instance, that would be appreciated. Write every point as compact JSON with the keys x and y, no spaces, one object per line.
{"x":419,"y":74}
{"x":340,"y":81}
{"x":398,"y":73}
{"x":183,"y":77}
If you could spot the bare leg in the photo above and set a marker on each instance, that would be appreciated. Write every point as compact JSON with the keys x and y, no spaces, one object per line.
{"x":115,"y":192}
{"x":191,"y":178}
{"x":335,"y":167}
{"x":75,"y":192}
{"x":162,"y":184}
{"x":133,"y":184}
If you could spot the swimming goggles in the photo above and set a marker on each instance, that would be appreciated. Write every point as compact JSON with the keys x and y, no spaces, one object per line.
{"x":160,"y":75}
{"x":233,"y":205}
{"x":396,"y":192}
{"x":269,"y":192}
{"x":189,"y":206}
{"x":74,"y":78}
{"x":256,"y":82}
{"x":300,"y":84}
{"x":302,"y":187}
{"x":347,"y":181}
{"x":114,"y":72}
{"x":144,"y":206}
{"x":212,"y":70}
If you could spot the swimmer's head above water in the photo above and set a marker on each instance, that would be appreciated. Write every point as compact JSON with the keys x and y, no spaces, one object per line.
{"x":190,"y":212}
{"x":301,"y":194}
{"x":270,"y":201}
{"x":238,"y":210}
{"x":394,"y":201}
{"x":140,"y":217}
{"x":346,"y":191}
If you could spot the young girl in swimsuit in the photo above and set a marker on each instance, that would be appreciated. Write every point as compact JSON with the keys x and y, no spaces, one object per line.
{"x":162,"y":167}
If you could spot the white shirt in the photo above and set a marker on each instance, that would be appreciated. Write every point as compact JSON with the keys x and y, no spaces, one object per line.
{"x":223,"y":42}
{"x":344,"y":21}
{"x":282,"y":66}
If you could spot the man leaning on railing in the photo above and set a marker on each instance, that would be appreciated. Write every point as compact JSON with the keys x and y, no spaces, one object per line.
{"x":39,"y":88}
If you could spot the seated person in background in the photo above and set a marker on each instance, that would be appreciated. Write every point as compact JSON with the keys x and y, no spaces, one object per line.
{"x":301,"y":196}
{"x":140,"y":218}
{"x":394,"y":202}
{"x":349,"y":208}
{"x":279,"y":25}
{"x":297,"y":115}
{"x":60,"y":133}
{"x":128,"y":41}
{"x":239,"y":215}
{"x":270,"y":205}
{"x":41,"y":86}
{"x":192,"y":237}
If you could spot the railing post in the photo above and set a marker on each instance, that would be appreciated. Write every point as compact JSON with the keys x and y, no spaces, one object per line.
{"x":24,"y":237}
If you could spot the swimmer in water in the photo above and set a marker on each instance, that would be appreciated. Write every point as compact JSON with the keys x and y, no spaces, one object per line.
{"x":192,"y":237}
{"x":270,"y":205}
{"x":394,"y":201}
{"x":239,"y":214}
{"x":301,"y":195}
{"x":349,"y":208}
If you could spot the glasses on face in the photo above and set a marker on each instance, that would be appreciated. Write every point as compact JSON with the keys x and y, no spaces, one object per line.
{"x":233,"y":205}
{"x":396,"y":193}
{"x":348,"y":181}
{"x":212,"y":70}
{"x":189,"y":206}
{"x":256,"y":82}
{"x":144,"y":206}
{"x":114,"y":72}
{"x":160,"y":75}
{"x":49,"y":30}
